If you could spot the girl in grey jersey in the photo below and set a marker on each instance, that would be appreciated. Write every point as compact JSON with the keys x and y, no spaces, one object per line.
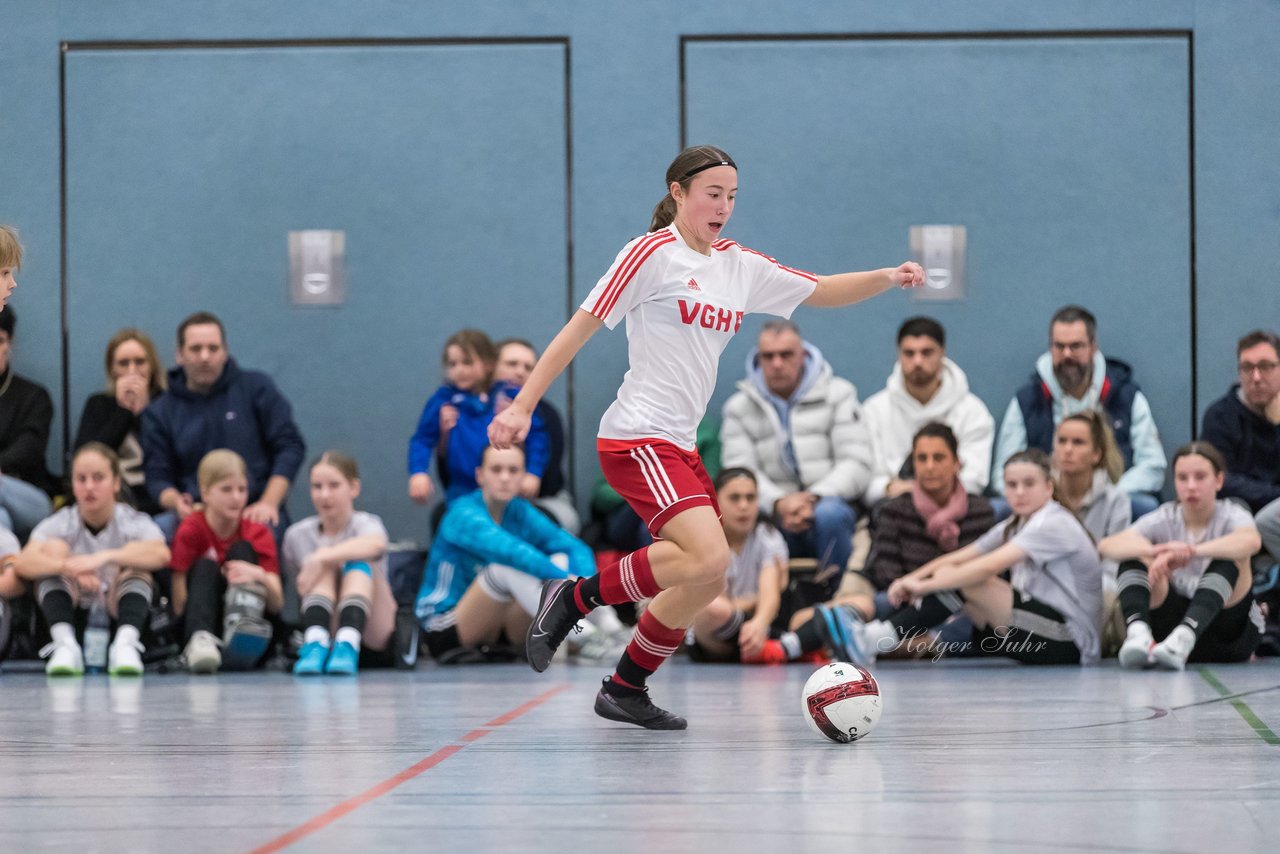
{"x":339,"y":556}
{"x":735,"y":626}
{"x":1185,"y":575}
{"x":1051,"y":613}
{"x":98,"y":547}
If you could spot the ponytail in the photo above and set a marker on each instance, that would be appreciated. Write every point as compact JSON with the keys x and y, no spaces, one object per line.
{"x":664,"y":214}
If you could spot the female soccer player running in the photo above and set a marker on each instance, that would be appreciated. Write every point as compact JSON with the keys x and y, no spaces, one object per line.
{"x":684,"y":290}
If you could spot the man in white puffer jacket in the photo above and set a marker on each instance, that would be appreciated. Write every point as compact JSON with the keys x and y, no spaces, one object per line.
{"x":925,"y":386}
{"x":800,"y":429}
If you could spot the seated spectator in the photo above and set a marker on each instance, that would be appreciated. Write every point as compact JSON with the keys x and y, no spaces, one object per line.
{"x":97,"y":550}
{"x":468,"y":361}
{"x":1087,"y":465}
{"x":736,"y":625}
{"x":26,"y":411}
{"x":621,"y":529}
{"x":11,"y":586}
{"x":1049,"y":613}
{"x":800,"y":429}
{"x":212,"y":404}
{"x":516,"y":358}
{"x":1185,"y":574}
{"x":925,"y":386}
{"x":1245,"y":426}
{"x":338,"y":559}
{"x":484,"y":575}
{"x":1074,"y":376}
{"x":937,"y":516}
{"x":226,"y":578}
{"x":114,"y":418}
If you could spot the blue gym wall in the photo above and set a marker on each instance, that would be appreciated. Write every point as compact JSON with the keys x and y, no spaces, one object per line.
{"x":1110,"y":153}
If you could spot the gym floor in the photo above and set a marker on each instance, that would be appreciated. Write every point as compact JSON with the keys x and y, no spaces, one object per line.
{"x":969,"y":756}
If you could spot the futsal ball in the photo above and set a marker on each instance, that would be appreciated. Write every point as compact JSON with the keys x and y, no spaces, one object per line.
{"x":842,"y":701}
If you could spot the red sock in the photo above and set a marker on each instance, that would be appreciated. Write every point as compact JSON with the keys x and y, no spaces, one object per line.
{"x":628,"y":580}
{"x":652,"y":644}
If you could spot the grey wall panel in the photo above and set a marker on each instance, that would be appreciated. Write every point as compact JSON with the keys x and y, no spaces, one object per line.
{"x":445,"y":165}
{"x":1066,"y":158}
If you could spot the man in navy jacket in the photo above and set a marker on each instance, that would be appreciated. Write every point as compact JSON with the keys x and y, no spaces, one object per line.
{"x":211,"y":403}
{"x":1245,"y":426}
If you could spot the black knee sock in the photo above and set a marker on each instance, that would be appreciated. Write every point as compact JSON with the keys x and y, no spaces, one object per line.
{"x":1211,"y":595}
{"x":588,"y":590}
{"x":442,"y":641}
{"x":1134,"y":591}
{"x":934,"y":609}
{"x":133,"y":607}
{"x":353,"y":613}
{"x":58,"y":607}
{"x":317,"y":612}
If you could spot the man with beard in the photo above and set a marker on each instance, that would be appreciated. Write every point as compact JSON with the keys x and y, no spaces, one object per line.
{"x":1074,"y":376}
{"x":925,"y":386}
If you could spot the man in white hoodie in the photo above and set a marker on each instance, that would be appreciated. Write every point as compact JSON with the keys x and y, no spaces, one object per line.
{"x":1073,"y":376}
{"x":800,"y":429}
{"x":925,"y":386}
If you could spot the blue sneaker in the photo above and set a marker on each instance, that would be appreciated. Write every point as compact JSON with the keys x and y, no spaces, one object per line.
{"x":344,"y":660}
{"x":311,"y":659}
{"x":841,"y":630}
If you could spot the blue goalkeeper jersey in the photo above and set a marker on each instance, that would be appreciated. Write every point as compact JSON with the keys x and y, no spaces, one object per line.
{"x":469,"y":539}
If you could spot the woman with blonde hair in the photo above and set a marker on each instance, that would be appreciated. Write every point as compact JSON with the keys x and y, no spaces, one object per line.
{"x":135,"y":377}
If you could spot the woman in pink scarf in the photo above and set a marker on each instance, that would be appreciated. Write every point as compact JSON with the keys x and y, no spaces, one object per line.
{"x":936,"y":517}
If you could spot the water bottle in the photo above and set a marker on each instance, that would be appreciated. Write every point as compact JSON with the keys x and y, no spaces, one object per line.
{"x":97,"y":634}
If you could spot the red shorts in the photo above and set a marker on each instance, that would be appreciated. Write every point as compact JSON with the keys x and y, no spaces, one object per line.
{"x":656,"y":478}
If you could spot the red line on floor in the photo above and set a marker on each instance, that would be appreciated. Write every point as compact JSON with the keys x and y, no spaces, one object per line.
{"x":334,"y":813}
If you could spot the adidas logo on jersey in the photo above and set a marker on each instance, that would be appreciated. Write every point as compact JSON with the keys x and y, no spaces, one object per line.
{"x":693,"y":285}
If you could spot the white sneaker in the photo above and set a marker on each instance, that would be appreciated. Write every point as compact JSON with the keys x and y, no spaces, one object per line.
{"x":596,"y":646}
{"x":1171,"y":653}
{"x":202,"y":654}
{"x":65,"y":659}
{"x":1135,"y":652}
{"x":124,"y":658}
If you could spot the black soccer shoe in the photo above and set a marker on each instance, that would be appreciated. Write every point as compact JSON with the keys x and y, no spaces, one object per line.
{"x":634,"y":707}
{"x":556,"y":617}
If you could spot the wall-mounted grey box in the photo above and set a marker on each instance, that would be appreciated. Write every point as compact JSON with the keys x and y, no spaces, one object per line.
{"x":317,"y":261}
{"x":940,"y":250}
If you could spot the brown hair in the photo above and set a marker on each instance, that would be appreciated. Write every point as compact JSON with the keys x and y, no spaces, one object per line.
{"x":1201,"y":449}
{"x":937,"y":430}
{"x":688,"y":163}
{"x":1076,"y":314}
{"x":1103,"y":439}
{"x":345,"y":465}
{"x":217,"y":466}
{"x":475,"y":344}
{"x":10,"y":247}
{"x":1035,"y":457}
{"x":157,"y":383}
{"x":505,"y":342}
{"x":1256,"y":337}
{"x":201,"y":318}
{"x":112,"y":458}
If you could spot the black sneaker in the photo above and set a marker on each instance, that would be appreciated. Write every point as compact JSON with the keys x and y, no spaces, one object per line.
{"x":635,"y":707}
{"x":557,"y":615}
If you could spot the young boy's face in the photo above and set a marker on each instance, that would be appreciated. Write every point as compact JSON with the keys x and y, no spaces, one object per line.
{"x":7,"y":283}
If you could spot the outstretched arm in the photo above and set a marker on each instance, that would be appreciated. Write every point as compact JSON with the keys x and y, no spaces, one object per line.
{"x":512,"y":424}
{"x":848,"y":288}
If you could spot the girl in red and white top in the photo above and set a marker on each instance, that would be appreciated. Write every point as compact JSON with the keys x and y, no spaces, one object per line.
{"x":684,"y":290}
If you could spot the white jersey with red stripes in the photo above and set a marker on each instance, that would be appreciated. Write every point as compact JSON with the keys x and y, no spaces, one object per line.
{"x":682,"y":307}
